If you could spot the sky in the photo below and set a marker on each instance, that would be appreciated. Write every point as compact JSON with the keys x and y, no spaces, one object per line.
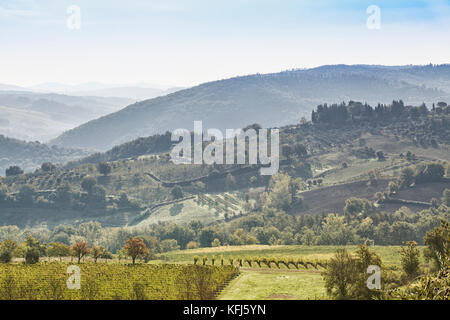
{"x":188,"y":42}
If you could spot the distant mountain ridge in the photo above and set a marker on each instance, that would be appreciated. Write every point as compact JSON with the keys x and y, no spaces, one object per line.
{"x":268,"y":99}
{"x":43,"y":116}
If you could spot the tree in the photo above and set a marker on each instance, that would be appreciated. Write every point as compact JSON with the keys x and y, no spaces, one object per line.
{"x":286,"y":151}
{"x":429,"y":172}
{"x":446,"y":197}
{"x":169,"y":245}
{"x":346,"y":276}
{"x":410,"y":259}
{"x":335,"y":231}
{"x":57,"y":249}
{"x":206,"y":237}
{"x":230,"y":181}
{"x":26,"y":195}
{"x":438,"y":244}
{"x":308,"y":236}
{"x":63,"y":195}
{"x":177,"y":192}
{"x":104,"y":168}
{"x":48,"y":167}
{"x":434,"y":203}
{"x":88,"y":183}
{"x":135,"y":247}
{"x":340,"y":274}
{"x":80,"y":249}
{"x":300,"y":150}
{"x":121,"y":254}
{"x":280,"y":195}
{"x":403,"y":231}
{"x":215,"y":243}
{"x":355,"y":206}
{"x":97,"y":195}
{"x":123,"y":201}
{"x":13,"y":171}
{"x":96,"y":252}
{"x":106,"y":254}
{"x":406,"y":178}
{"x":7,"y":249}
{"x":33,"y":250}
{"x":192,"y":245}
{"x":199,"y":186}
{"x":364,"y":258}
{"x":392,"y":187}
{"x":380,"y":156}
{"x":91,"y":231}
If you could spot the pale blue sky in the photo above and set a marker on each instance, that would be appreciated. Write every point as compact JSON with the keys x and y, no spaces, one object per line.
{"x":192,"y":41}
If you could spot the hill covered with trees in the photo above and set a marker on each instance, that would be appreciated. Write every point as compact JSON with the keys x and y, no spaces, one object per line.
{"x":268,"y":99}
{"x":323,"y":163}
{"x":31,"y":155}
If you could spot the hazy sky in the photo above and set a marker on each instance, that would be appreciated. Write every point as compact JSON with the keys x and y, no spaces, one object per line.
{"x":192,"y":41}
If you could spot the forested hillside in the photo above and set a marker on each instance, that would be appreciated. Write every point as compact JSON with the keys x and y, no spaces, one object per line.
{"x":269,"y":99}
{"x":350,"y":150}
{"x":31,"y":155}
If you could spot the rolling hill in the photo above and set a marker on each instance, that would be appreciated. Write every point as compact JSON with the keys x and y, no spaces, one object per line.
{"x":270,"y":100}
{"x":340,"y":160}
{"x":43,"y":116}
{"x":30,"y":155}
{"x":135,"y":92}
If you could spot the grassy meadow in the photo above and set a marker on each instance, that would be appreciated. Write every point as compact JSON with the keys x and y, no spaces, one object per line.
{"x":389,"y":254}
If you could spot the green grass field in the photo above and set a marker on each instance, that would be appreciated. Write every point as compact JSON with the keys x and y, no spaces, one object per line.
{"x":389,"y":254}
{"x":273,"y":284}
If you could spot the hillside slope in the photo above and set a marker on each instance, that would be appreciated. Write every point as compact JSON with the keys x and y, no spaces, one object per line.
{"x":43,"y":116}
{"x":30,"y":155}
{"x":270,"y":100}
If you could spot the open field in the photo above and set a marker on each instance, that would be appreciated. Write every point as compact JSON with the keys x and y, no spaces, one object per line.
{"x":275,"y":285}
{"x":328,"y":199}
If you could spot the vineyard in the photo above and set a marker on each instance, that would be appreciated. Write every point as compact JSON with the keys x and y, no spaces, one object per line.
{"x":222,"y":204}
{"x":49,"y":281}
{"x":262,"y":262}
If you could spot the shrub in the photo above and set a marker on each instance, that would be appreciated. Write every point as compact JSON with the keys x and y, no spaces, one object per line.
{"x":340,"y":274}
{"x":196,"y":259}
{"x":410,"y":259}
{"x":215,"y":243}
{"x":104,"y":168}
{"x":13,"y":171}
{"x":346,"y":276}
{"x":438,"y":244}
{"x":32,"y":255}
{"x":88,"y":183}
{"x":80,"y":249}
{"x":192,"y":245}
{"x":177,"y":192}
{"x":7,"y":249}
